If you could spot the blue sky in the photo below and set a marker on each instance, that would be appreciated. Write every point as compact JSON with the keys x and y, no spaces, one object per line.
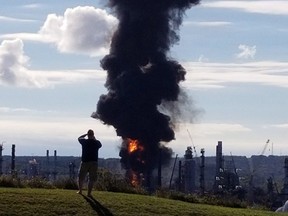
{"x":235,"y":54}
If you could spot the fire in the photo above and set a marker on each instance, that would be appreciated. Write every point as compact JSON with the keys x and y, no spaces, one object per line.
{"x":134,"y":179}
{"x":135,"y":150}
{"x":134,"y":145}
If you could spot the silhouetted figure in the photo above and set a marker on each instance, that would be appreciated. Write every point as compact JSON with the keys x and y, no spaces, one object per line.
{"x":89,"y":160}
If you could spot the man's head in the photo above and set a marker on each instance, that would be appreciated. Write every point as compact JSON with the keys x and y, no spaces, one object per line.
{"x":90,"y":134}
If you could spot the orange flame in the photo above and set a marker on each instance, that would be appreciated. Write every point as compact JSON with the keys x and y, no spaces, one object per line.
{"x":134,"y":145}
{"x":134,"y":179}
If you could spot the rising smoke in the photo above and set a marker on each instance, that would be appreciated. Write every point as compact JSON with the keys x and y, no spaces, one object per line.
{"x":140,"y":77}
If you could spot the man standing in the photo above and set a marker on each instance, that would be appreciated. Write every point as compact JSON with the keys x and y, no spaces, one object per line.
{"x":89,"y":160}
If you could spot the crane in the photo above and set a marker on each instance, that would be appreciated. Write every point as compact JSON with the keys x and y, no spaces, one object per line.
{"x":265,"y":147}
{"x":253,"y":171}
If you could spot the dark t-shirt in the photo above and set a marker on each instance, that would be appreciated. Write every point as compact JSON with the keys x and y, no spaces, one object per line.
{"x":90,"y":149}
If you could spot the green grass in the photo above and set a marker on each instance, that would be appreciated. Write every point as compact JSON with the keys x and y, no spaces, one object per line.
{"x":27,"y":201}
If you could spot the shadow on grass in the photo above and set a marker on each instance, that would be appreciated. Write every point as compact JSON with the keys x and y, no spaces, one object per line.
{"x":97,"y":207}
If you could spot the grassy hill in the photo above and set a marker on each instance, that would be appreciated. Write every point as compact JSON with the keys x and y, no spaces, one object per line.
{"x":27,"y":201}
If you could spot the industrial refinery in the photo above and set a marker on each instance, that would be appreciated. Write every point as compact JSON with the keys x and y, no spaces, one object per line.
{"x":187,"y":174}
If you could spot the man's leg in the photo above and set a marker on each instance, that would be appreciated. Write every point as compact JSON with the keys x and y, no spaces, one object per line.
{"x":81,"y":177}
{"x":90,"y":187}
{"x":92,"y":177}
{"x":80,"y":185}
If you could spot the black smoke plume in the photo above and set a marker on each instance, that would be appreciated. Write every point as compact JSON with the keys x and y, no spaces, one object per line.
{"x":140,"y":77}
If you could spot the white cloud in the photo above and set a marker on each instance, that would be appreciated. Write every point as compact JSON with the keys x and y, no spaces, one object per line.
{"x":84,"y":30}
{"x":46,"y":126}
{"x":207,"y":24}
{"x":13,"y":110}
{"x":279,"y":126}
{"x":205,"y":134}
{"x":33,"y":135}
{"x":246,"y":51}
{"x":59,"y":77}
{"x":32,"y":6}
{"x":14,"y":70}
{"x":12,"y":19}
{"x":264,"y":7}
{"x":61,"y":31}
{"x":62,"y":132}
{"x":206,"y":129}
{"x":202,"y":58}
{"x":24,"y":37}
{"x":217,"y":75}
{"x":13,"y":63}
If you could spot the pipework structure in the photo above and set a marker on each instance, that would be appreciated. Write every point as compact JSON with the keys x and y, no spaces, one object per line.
{"x":218,"y":184}
{"x":33,"y":168}
{"x":226,"y":178}
{"x":188,"y":172}
{"x":285,"y":186}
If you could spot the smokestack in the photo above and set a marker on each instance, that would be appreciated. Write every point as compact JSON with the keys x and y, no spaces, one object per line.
{"x":55,"y":165}
{"x":47,"y":165}
{"x":13,"y":160}
{"x":202,"y":169}
{"x":219,"y":159}
{"x":140,"y":78}
{"x":1,"y":159}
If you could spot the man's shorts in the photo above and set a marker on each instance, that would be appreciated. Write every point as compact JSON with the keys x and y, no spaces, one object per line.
{"x":88,"y":167}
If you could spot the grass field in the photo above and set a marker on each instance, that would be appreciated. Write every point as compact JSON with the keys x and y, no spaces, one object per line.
{"x":16,"y":201}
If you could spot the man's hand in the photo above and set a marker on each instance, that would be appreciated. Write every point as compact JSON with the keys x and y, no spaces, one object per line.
{"x":82,"y":136}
